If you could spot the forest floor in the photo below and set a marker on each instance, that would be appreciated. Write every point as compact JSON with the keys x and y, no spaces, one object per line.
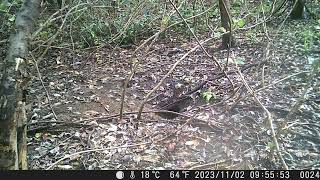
{"x":85,"y":93}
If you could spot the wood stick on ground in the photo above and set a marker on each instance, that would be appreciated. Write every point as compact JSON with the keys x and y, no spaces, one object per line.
{"x":137,"y":63}
{"x":94,"y":150}
{"x":269,"y":117}
{"x":111,"y":148}
{"x":44,"y":87}
{"x":301,"y":99}
{"x":109,"y":118}
{"x":266,"y":87}
{"x":165,"y":76}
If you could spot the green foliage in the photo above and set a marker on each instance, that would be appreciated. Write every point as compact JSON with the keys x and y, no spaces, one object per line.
{"x":95,"y":32}
{"x":12,"y":17}
{"x":187,"y":11}
{"x":136,"y":20}
{"x":130,"y":21}
{"x":7,"y":15}
{"x":208,"y":95}
{"x":7,"y":10}
{"x":217,"y":35}
{"x":4,"y":8}
{"x":270,"y":145}
{"x":308,"y":37}
{"x":124,"y":25}
{"x":236,"y":7}
{"x":264,"y":7}
{"x":239,"y":23}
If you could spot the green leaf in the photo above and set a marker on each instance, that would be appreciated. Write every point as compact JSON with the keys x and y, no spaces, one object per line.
{"x":165,"y":20}
{"x":207,"y":95}
{"x":239,"y":61}
{"x":222,"y":30}
{"x":241,"y":23}
{"x":271,"y":145}
{"x":12,"y":18}
{"x":3,"y":7}
{"x":38,"y":135}
{"x":217,"y":35}
{"x":93,"y":34}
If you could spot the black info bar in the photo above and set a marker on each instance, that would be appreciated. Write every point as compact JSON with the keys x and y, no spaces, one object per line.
{"x":165,"y":174}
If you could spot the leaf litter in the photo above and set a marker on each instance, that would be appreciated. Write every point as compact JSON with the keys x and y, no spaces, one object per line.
{"x":84,"y":100}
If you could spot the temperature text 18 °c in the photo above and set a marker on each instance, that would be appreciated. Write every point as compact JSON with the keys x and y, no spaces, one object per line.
{"x":150,"y":174}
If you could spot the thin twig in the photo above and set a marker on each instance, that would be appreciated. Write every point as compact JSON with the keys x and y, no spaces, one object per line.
{"x":52,"y":38}
{"x":267,"y":50}
{"x":118,"y":147}
{"x":269,"y":116}
{"x":285,"y":19}
{"x":229,"y":43}
{"x":48,"y":21}
{"x":265,"y":87}
{"x":44,"y":87}
{"x":136,"y":10}
{"x":197,"y":40}
{"x":95,"y":150}
{"x":301,"y":99}
{"x":137,"y":63}
{"x":165,"y":76}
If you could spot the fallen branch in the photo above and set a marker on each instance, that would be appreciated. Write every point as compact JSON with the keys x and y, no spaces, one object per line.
{"x":137,"y":63}
{"x":44,"y":87}
{"x":95,"y":150}
{"x":266,"y":87}
{"x":269,"y":116}
{"x":118,"y":147}
{"x":269,"y":119}
{"x":200,"y":44}
{"x":109,"y":118}
{"x":165,"y":76}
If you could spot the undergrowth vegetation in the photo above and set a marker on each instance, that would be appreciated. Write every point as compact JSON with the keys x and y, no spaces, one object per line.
{"x":128,"y":21}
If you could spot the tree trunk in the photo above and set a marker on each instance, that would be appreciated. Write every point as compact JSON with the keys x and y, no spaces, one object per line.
{"x":14,"y":79}
{"x":224,"y":6}
{"x":298,"y":9}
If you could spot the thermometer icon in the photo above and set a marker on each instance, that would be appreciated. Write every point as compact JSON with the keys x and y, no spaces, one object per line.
{"x":132,"y":176}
